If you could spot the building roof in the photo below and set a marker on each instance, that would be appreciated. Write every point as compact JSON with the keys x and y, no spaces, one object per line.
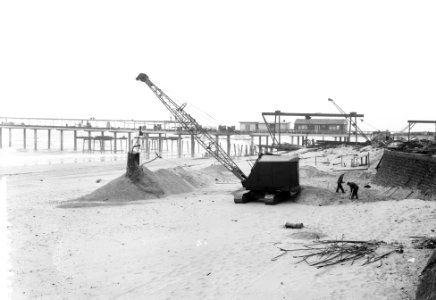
{"x":321,"y":121}
{"x":248,"y":122}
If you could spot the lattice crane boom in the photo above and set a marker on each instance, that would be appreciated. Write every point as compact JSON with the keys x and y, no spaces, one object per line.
{"x":351,"y":121}
{"x":190,"y":124}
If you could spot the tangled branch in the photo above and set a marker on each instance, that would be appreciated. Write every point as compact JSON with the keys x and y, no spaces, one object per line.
{"x":325,"y":253}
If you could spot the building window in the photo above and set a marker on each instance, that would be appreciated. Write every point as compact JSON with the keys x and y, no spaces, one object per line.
{"x":302,"y":127}
{"x":335,"y":127}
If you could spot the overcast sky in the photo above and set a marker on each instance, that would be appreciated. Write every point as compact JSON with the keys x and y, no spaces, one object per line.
{"x":229,"y":60}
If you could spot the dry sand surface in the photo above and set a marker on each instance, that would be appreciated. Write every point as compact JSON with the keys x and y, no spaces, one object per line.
{"x":75,"y":237}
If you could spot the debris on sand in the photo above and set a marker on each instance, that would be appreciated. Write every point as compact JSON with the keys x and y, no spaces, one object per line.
{"x":424,"y":242}
{"x":294,"y":225}
{"x":325,"y":253}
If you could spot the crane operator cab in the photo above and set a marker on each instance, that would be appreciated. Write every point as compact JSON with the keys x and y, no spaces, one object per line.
{"x":272,"y":179}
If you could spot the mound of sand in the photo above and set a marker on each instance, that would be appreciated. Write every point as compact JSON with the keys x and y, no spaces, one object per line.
{"x":151,"y":185}
{"x":310,"y":171}
{"x":311,"y":195}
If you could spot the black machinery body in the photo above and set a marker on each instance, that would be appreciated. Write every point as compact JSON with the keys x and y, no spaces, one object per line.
{"x":272,"y":179}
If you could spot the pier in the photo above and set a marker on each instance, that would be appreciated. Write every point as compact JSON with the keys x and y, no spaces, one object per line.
{"x":117,"y":135}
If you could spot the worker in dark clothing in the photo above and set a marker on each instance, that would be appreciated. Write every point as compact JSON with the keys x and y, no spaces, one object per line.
{"x":353,"y":190}
{"x":340,"y":182}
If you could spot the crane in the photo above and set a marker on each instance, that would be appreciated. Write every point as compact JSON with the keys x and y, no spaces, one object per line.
{"x":201,"y":135}
{"x":351,"y":120}
{"x":272,"y":178}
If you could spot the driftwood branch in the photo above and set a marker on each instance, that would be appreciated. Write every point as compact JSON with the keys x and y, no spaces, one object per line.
{"x":325,"y":253}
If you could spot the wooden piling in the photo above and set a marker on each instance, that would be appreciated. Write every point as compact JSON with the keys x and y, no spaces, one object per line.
{"x":129,"y":134}
{"x":133,"y":170}
{"x":160,"y":143}
{"x":228,"y":144}
{"x":10,"y":137}
{"x":89,"y":141}
{"x":48,"y":139}
{"x":102,"y":142}
{"x":62,"y":139}
{"x":252,"y":145}
{"x":267,"y":149}
{"x":24,"y":138}
{"x":115,"y":140}
{"x":147,"y":146}
{"x":179,"y":146}
{"x":75,"y":140}
{"x":35,"y":139}
{"x":192,"y":146}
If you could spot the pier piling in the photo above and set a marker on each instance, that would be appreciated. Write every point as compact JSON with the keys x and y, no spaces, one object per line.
{"x":35,"y":139}
{"x":24,"y":138}
{"x":62,"y":139}
{"x":48,"y":139}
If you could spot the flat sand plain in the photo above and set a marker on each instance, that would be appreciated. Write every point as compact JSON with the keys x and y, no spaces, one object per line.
{"x":199,"y":244}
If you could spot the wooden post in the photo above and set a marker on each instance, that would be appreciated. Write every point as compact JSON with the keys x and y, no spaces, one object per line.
{"x":355,"y":127}
{"x":298,"y":140}
{"x":147,"y":146}
{"x":115,"y":140}
{"x":35,"y":139}
{"x":252,"y":145}
{"x":179,"y":146}
{"x":228,"y":144}
{"x":267,"y":144}
{"x":130,"y":140}
{"x":48,"y":139}
{"x":260,"y":143}
{"x":160,"y":143}
{"x":24,"y":138}
{"x":292,"y":139}
{"x":102,"y":141}
{"x":133,"y":171}
{"x":62,"y":139}
{"x":89,"y":141}
{"x":75,"y":140}
{"x":192,"y":146}
{"x":10,"y":137}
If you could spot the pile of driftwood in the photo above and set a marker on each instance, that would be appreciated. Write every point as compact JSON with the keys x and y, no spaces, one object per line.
{"x":423,"y":242}
{"x":325,"y":253}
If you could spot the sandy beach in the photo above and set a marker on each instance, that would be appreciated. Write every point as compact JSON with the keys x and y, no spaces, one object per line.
{"x":199,"y":244}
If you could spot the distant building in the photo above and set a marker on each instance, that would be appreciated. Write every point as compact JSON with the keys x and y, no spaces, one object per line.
{"x":321,"y":126}
{"x":261,"y":127}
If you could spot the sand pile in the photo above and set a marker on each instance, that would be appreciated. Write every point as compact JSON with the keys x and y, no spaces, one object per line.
{"x":310,"y":171}
{"x":311,"y":195}
{"x":150,"y":185}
